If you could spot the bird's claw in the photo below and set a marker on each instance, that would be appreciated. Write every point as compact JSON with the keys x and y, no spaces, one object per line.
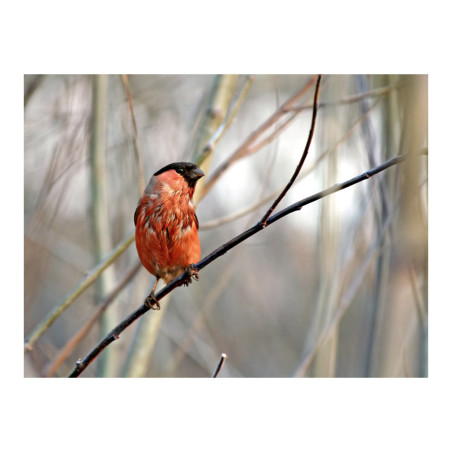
{"x":192,"y":273}
{"x":151,"y":302}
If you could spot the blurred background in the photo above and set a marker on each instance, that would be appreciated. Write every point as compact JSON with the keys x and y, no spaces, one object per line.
{"x":338,"y":289}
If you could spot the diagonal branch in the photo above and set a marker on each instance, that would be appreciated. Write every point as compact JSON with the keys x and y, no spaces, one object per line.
{"x":223,"y":249}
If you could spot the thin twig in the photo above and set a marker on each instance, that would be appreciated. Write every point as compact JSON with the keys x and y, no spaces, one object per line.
{"x":136,"y":139}
{"x":378,"y":92}
{"x":84,"y":330}
{"x":84,"y":283}
{"x":223,"y":249}
{"x":303,"y":157}
{"x":219,"y":365}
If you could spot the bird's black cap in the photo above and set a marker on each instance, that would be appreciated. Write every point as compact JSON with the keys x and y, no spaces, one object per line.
{"x":189,"y":171}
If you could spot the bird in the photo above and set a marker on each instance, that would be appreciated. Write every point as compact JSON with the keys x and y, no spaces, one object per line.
{"x":166,"y":225}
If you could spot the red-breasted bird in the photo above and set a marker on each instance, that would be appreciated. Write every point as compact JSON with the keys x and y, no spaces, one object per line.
{"x":166,"y":225}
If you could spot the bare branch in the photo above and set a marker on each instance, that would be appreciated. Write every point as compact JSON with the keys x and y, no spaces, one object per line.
{"x":223,"y":249}
{"x":219,"y":365}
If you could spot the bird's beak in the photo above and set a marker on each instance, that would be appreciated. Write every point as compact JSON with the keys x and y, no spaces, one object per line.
{"x":196,"y":173}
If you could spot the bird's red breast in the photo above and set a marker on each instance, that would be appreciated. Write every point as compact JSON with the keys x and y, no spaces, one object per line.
{"x":166,"y":226}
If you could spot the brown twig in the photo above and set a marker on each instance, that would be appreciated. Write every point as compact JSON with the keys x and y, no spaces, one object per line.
{"x":219,"y":365}
{"x":303,"y":157}
{"x":377,"y":92}
{"x":223,"y":249}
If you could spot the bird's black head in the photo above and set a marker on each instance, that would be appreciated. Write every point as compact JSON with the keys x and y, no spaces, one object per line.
{"x":189,"y":171}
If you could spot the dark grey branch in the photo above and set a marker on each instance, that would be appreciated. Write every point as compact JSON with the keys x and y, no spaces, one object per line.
{"x":219,"y":365}
{"x":223,"y":249}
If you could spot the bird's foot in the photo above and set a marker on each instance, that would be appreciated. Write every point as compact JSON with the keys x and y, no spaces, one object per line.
{"x":151,"y":302}
{"x":192,"y":274}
